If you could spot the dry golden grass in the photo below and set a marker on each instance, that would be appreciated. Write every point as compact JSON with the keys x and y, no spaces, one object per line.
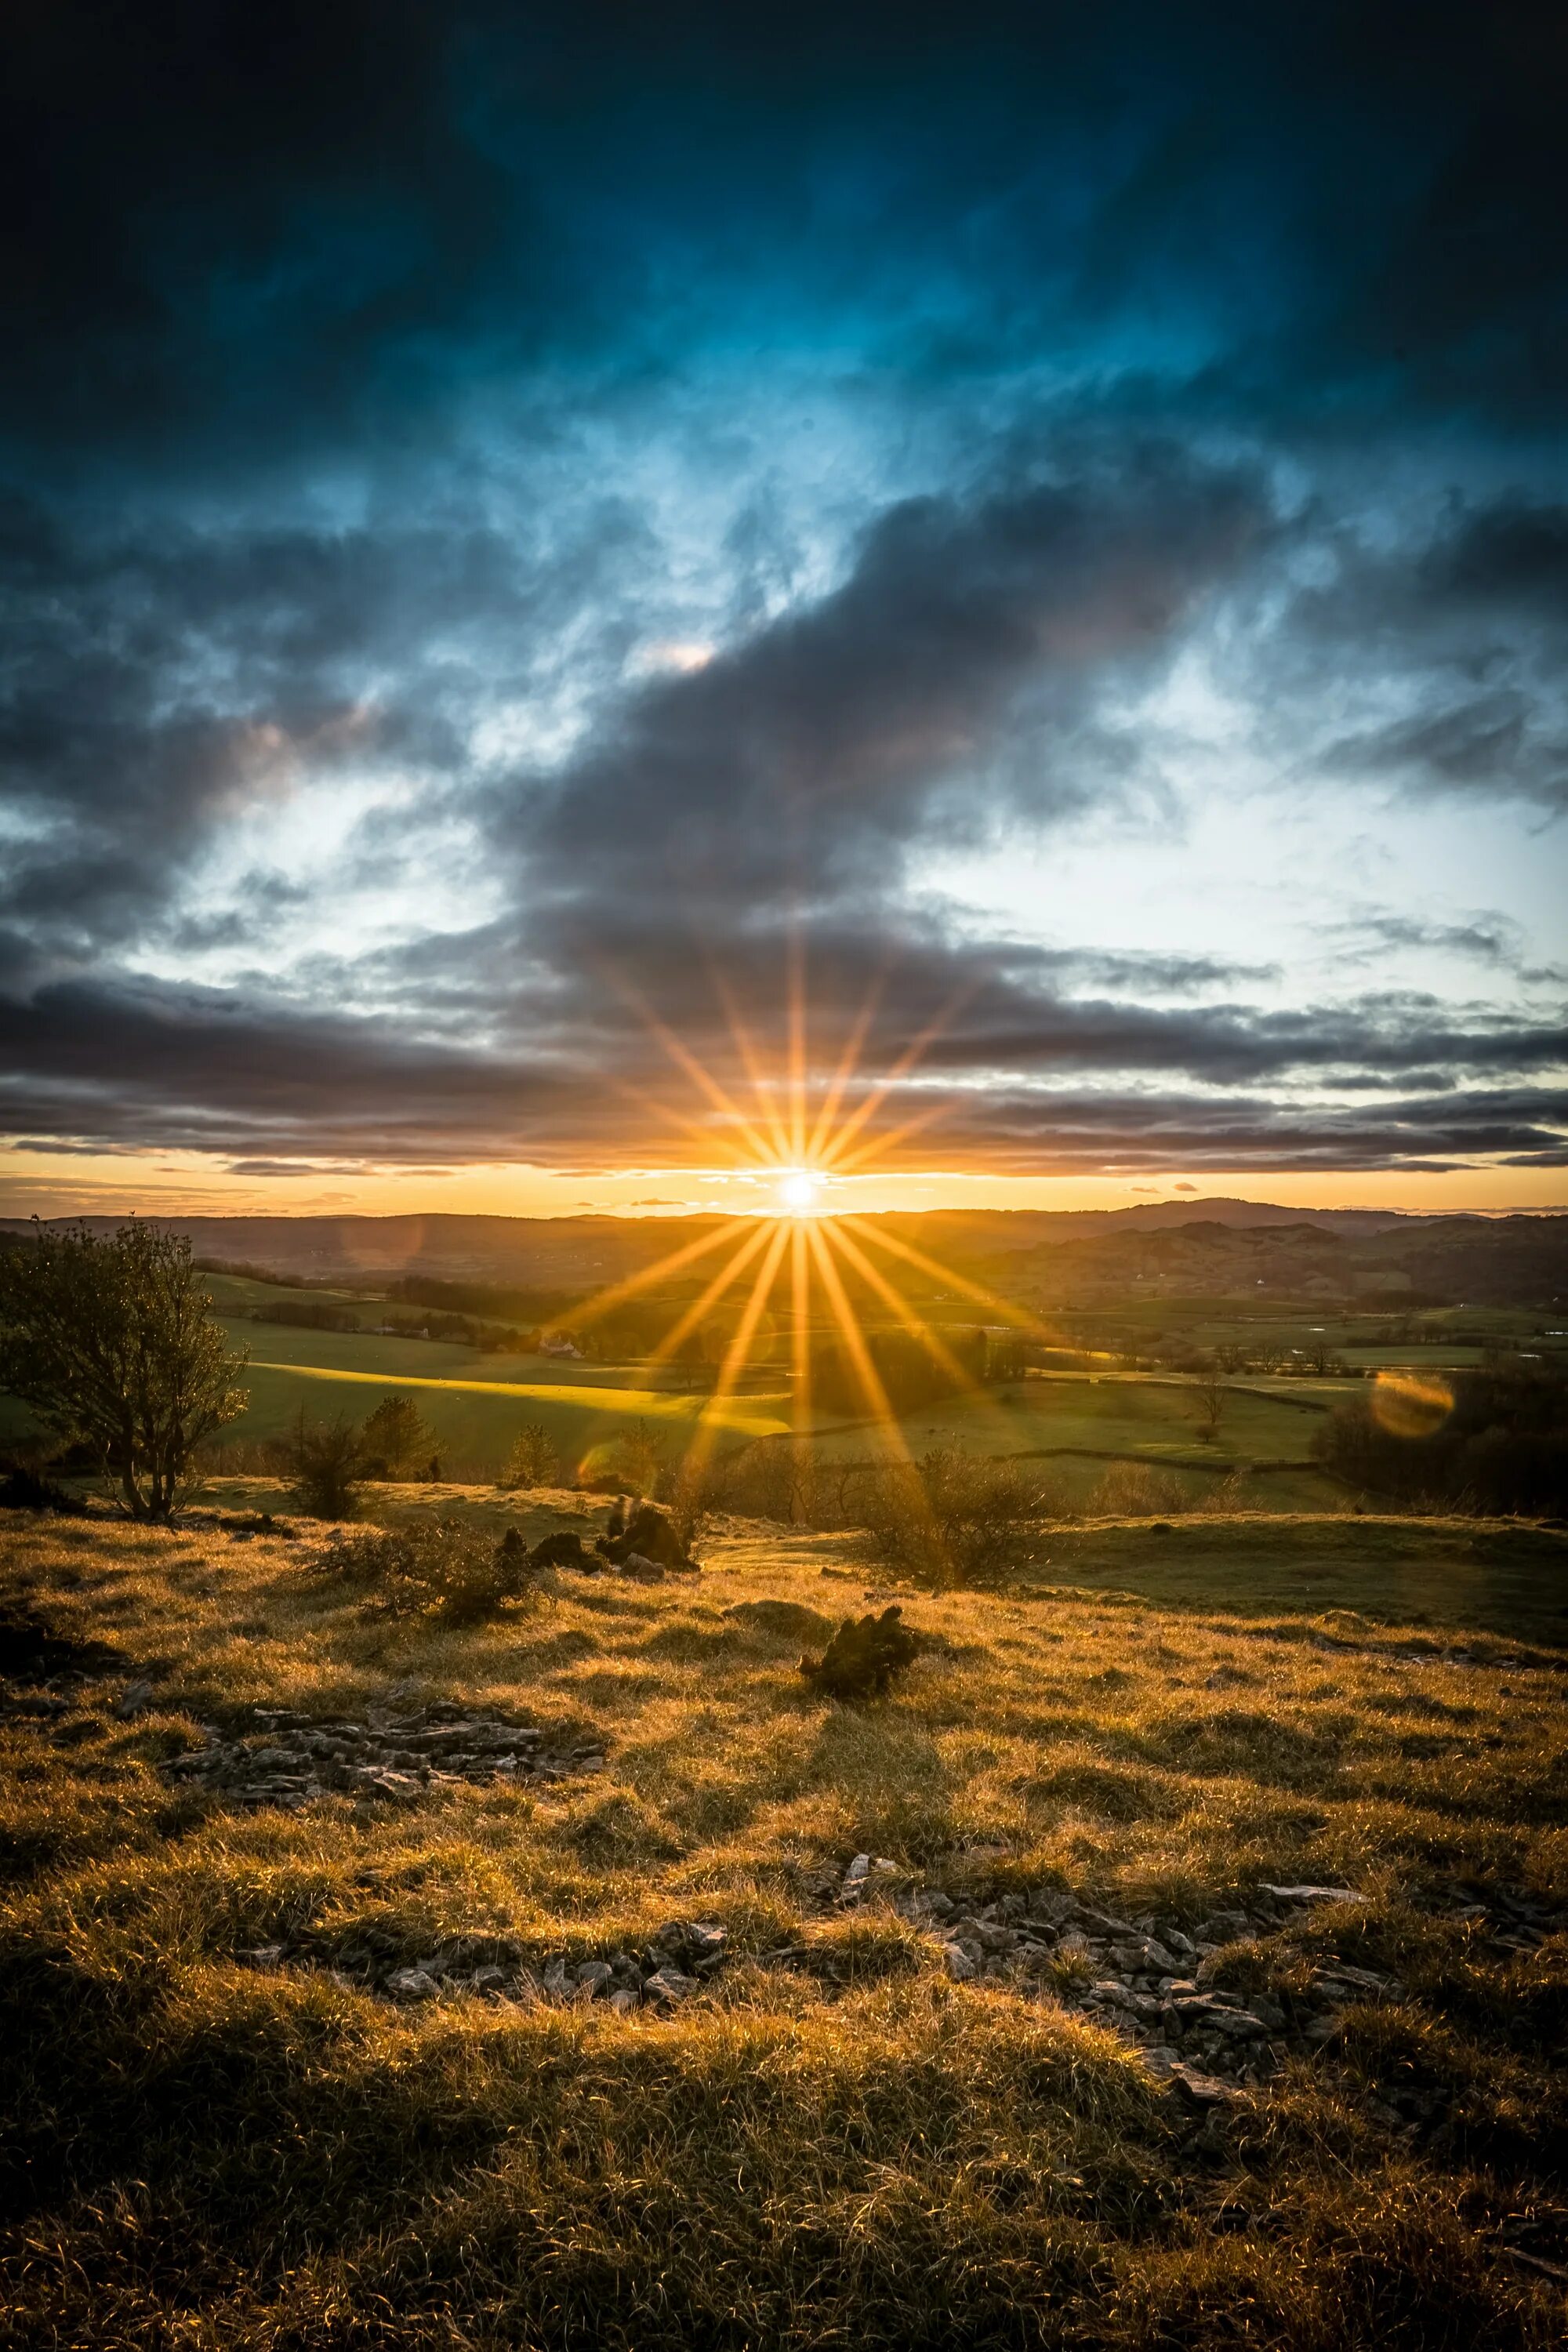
{"x":200,"y":2152}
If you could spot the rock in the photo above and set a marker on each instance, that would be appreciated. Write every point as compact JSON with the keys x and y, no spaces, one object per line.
{"x":624,"y":2001}
{"x":933,"y":1907}
{"x":592,"y":1976}
{"x":647,"y":1535}
{"x":1143,"y":1953}
{"x":1225,"y":1927}
{"x":860,"y":1868}
{"x":998,"y":1939}
{"x":561,"y":1548}
{"x":641,"y":1569}
{"x":695,"y":1945}
{"x":412,"y":1984}
{"x":960,"y":1967}
{"x":863,"y":1657}
{"x":789,"y":1620}
{"x":668,"y":1986}
{"x":136,"y":1699}
{"x":1314,"y":1894}
{"x":1162,"y":2061}
{"x":1201,"y":2090}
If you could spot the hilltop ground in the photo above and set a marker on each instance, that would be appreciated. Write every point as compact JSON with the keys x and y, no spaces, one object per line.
{"x":296,"y":2053}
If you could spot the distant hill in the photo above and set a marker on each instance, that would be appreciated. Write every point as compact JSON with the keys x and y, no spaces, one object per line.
{"x":1205,"y":1246}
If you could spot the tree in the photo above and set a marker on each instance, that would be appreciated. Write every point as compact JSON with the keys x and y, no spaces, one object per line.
{"x":1211,"y":1405}
{"x":393,"y":1435}
{"x":534,"y":1460}
{"x":112,"y":1344}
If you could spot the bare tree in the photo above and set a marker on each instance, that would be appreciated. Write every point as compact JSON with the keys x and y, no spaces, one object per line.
{"x":112,"y":1344}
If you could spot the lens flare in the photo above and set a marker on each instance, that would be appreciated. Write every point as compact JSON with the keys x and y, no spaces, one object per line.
{"x":1411,"y":1404}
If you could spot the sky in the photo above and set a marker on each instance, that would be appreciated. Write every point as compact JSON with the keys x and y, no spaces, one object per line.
{"x":534,"y":541}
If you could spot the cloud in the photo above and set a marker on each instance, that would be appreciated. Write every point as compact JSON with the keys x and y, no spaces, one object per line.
{"x":498,"y":526}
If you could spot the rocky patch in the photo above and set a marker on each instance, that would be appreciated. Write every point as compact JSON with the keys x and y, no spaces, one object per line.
{"x":286,"y":1760}
{"x":377,"y":1958}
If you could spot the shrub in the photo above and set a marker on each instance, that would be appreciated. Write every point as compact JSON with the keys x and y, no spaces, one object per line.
{"x":956,"y":1516}
{"x":434,"y":1567}
{"x":534,"y":1461}
{"x":1136,"y":1490}
{"x":327,"y":1460}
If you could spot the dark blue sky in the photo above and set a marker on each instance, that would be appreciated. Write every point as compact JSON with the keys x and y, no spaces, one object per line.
{"x":507,"y":518}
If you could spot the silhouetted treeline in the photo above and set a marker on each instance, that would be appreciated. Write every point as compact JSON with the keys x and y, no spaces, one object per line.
{"x":1503,"y":1447}
{"x":308,"y":1315}
{"x":533,"y":1307}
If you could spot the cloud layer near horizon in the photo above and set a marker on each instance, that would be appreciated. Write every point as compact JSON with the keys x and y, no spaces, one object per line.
{"x":1059,"y":529}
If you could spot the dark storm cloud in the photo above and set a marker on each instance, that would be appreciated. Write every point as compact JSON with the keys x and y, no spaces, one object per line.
{"x":308,"y":313}
{"x":265,"y":227}
{"x":158,"y":685}
{"x":1468,"y":626}
{"x":194,"y":1070}
{"x":824,"y":745}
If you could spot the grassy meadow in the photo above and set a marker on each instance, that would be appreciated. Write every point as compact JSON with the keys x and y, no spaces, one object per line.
{"x":213,"y":2136}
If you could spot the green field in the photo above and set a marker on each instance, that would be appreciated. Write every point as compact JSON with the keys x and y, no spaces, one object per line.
{"x":474,"y":1403}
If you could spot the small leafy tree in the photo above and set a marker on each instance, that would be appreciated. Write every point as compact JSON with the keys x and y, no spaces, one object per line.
{"x":534,"y":1461}
{"x":393,"y":1435}
{"x":112,"y":1344}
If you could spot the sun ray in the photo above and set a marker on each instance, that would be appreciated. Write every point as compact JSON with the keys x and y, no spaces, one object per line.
{"x":913,"y":1052}
{"x":1008,"y":1313}
{"x":866,"y":1371}
{"x":915,"y":1323}
{"x":712,"y":1142}
{"x":736,"y":1356}
{"x":848,"y":1062}
{"x":684,"y":1059}
{"x":751,"y":1063}
{"x":800,"y":1333}
{"x":727,"y":1274}
{"x":879,"y":1147}
{"x":797,"y":1052}
{"x":617,"y":1293}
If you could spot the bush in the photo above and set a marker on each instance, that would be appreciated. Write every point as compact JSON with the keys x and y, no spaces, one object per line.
{"x":327,"y":1460}
{"x":956,"y":1516}
{"x":534,"y":1461}
{"x":436,"y":1567}
{"x":1136,"y":1490}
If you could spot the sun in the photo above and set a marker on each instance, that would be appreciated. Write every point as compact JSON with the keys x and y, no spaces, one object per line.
{"x":800,"y":1192}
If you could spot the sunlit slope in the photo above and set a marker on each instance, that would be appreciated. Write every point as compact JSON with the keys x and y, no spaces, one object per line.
{"x":474,"y":1403}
